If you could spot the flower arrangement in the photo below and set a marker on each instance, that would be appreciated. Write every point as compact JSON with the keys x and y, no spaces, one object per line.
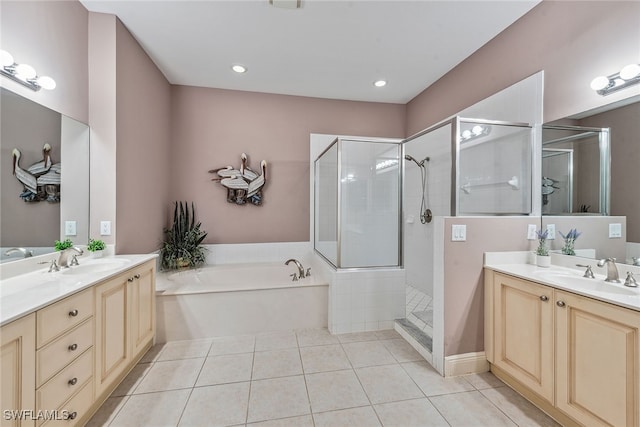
{"x":570,"y":241}
{"x":542,"y":243}
{"x":62,"y":245}
{"x":182,"y":245}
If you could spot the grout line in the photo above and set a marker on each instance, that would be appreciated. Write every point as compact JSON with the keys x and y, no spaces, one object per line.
{"x":253,"y":359}
{"x":304,"y":378}
{"x":126,"y":399}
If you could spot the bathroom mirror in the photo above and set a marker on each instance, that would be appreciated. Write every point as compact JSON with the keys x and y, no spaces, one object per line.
{"x":623,"y":124}
{"x":35,"y":225}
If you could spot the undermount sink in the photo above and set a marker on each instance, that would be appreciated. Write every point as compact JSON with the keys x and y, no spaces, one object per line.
{"x":95,"y":266}
{"x":596,"y":285}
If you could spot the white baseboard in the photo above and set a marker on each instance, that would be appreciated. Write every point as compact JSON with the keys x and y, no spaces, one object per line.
{"x":468,"y":363}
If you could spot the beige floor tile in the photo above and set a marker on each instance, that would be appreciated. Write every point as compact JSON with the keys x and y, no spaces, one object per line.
{"x":152,"y":409}
{"x":177,"y":350}
{"x":324,"y":358}
{"x":309,"y":337}
{"x":170,"y":375}
{"x":469,"y":409}
{"x":364,"y":416}
{"x":388,"y":383}
{"x":410,"y":413}
{"x":278,"y":398}
{"x":329,"y":391}
{"x":218,"y":405}
{"x":369,"y":353}
{"x":387,"y":334}
{"x":431,"y":382}
{"x":303,"y":421}
{"x":402,"y":350}
{"x":519,"y":409}
{"x":276,"y":363}
{"x":230,"y":368}
{"x":358,"y":337}
{"x":107,"y":412}
{"x":276,"y":341}
{"x":153,"y":353}
{"x":232,"y":345}
{"x":131,"y":381}
{"x":484,"y":380}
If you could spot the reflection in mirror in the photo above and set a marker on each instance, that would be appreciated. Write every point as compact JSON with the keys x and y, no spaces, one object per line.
{"x":34,"y":220}
{"x":623,"y":123}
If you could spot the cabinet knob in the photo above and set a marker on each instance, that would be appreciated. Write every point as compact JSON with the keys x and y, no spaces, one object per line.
{"x":560,"y":304}
{"x":130,"y":279}
{"x":544,"y":298}
{"x":73,"y":347}
{"x":73,"y":415}
{"x":137,"y":276}
{"x":73,"y":313}
{"x":73,"y":381}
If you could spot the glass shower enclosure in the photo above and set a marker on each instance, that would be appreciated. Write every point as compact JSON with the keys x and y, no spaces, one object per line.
{"x":358,"y":185}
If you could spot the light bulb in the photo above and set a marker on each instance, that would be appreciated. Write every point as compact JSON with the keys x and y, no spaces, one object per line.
{"x":25,"y":71}
{"x":630,"y":71}
{"x":466,"y":134}
{"x":46,"y":82}
{"x":599,"y":83}
{"x":380,"y":83}
{"x":5,"y":58}
{"x":239,"y":68}
{"x":477,"y":130}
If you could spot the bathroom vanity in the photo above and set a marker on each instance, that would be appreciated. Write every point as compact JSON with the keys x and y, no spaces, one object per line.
{"x":569,"y":344}
{"x":69,"y":338}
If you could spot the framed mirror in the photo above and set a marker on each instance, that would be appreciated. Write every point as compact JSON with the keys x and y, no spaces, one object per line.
{"x":44,"y":178}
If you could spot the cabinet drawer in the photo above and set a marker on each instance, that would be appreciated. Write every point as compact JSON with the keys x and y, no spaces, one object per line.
{"x":63,"y":315}
{"x":59,"y":353}
{"x":63,"y":385}
{"x":75,"y":409}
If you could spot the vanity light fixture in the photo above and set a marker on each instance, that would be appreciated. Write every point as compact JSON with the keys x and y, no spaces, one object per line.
{"x":475,"y":132}
{"x":240,"y":69}
{"x":628,"y":76}
{"x":23,"y":73}
{"x":380,"y":83}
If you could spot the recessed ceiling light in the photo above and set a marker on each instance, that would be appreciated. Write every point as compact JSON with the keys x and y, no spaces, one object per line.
{"x":239,"y":68}
{"x":380,"y":83}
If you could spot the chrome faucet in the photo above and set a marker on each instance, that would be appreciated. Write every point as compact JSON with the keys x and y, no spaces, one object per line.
{"x":23,"y":251}
{"x":612,"y":270}
{"x":63,"y":261}
{"x":299,"y":265}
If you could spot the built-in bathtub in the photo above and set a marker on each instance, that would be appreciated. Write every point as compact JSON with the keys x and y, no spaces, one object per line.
{"x":234,"y":299}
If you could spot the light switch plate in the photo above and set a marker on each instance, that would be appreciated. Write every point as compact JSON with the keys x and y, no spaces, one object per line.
{"x":551,"y":231}
{"x":615,"y":231}
{"x":531,"y":232}
{"x":105,"y":228}
{"x":458,"y":233}
{"x":70,"y":228}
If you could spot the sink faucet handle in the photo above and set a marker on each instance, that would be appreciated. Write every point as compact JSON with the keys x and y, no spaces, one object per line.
{"x":53,"y":265}
{"x":308,"y":273}
{"x":588,"y":273}
{"x":631,"y":281}
{"x":74,"y":260}
{"x":295,"y":277}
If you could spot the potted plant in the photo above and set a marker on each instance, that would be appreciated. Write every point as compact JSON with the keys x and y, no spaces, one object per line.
{"x":542,"y":252}
{"x":62,"y":245}
{"x":570,"y":241}
{"x":96,"y":247}
{"x":181,"y":247}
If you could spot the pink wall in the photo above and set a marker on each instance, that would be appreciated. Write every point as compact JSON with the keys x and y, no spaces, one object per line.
{"x":51,"y":36}
{"x":212,"y":127}
{"x":572,"y":41}
{"x":143,"y":108}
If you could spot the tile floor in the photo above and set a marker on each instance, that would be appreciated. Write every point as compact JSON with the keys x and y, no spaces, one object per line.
{"x":419,"y":303}
{"x":306,"y":378}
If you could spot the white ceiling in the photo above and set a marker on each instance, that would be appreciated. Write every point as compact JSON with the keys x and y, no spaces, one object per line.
{"x":325,"y":49}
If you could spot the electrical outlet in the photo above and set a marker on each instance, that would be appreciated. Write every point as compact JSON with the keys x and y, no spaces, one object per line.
{"x":458,"y":233}
{"x":551,"y":231}
{"x":105,"y":228}
{"x":70,"y":228}
{"x":531,"y":232}
{"x":615,"y":231}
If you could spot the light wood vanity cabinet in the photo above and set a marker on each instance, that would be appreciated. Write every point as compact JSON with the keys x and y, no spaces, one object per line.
{"x":575,"y":357}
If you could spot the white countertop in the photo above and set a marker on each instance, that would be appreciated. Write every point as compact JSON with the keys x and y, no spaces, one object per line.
{"x":24,"y":294}
{"x":614,"y":293}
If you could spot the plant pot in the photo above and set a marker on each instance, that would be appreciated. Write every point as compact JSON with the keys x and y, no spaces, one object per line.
{"x":97,"y":254}
{"x":182,"y":263}
{"x":543,"y":261}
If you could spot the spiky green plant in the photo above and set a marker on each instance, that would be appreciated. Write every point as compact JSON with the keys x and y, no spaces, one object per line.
{"x":181,"y":247}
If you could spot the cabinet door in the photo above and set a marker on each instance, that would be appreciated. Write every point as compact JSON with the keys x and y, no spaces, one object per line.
{"x":523,"y":335}
{"x":142,"y":292}
{"x":112,"y":326}
{"x":18,"y":370}
{"x":598,"y":361}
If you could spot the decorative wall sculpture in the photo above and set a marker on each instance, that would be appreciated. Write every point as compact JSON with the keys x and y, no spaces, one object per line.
{"x":243,"y":185}
{"x":41,"y":180}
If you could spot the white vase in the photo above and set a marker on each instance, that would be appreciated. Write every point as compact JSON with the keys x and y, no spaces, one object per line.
{"x":543,"y":261}
{"x":97,"y":254}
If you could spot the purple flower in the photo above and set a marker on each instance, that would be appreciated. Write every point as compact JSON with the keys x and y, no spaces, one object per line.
{"x":573,"y":234}
{"x":542,"y":235}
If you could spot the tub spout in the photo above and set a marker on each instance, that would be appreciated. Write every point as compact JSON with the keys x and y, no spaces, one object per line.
{"x":299,"y":265}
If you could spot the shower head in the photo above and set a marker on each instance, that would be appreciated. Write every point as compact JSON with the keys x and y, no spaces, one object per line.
{"x":419,"y":163}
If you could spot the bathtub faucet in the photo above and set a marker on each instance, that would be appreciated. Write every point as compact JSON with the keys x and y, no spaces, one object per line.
{"x":299,"y":265}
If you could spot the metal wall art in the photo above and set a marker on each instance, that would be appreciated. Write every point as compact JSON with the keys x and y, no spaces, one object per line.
{"x":41,"y":180}
{"x":243,"y":185}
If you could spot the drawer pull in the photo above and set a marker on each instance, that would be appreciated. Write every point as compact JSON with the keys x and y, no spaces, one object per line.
{"x":73,"y":347}
{"x":73,"y":381}
{"x":130,"y":279}
{"x":137,"y":276}
{"x":73,"y":313}
{"x":544,"y":298}
{"x":73,"y":415}
{"x":560,"y":304}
